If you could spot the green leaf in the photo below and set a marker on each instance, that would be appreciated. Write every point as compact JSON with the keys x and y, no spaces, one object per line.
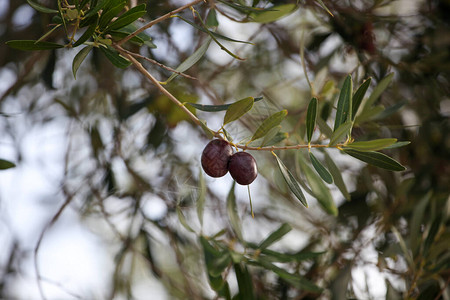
{"x":33,"y":45}
{"x":214,"y":108}
{"x":209,"y":133}
{"x":319,"y":189}
{"x":211,"y":19}
{"x":398,"y":145}
{"x":128,"y":17}
{"x":213,"y":34}
{"x":293,"y":279}
{"x":275,"y":256}
{"x":233,"y":215}
{"x":376,"y":158}
{"x":273,"y":14}
{"x":344,"y":105}
{"x":79,"y":58}
{"x":182,"y":219}
{"x":114,"y":57}
{"x":41,"y":8}
{"x":244,"y":281}
{"x":431,"y":236}
{"x":238,"y":109}
{"x":275,"y":236}
{"x":48,"y":33}
{"x":359,"y":96}
{"x":415,"y":239}
{"x":324,"y":128}
{"x":191,"y":60}
{"x":321,"y":170}
{"x":291,"y":181}
{"x":371,"y":145}
{"x":378,"y":90}
{"x":5,"y":164}
{"x":201,"y":197}
{"x":311,"y":116}
{"x":324,"y":7}
{"x":97,"y":8}
{"x":340,"y":133}
{"x":272,"y":121}
{"x":279,"y":137}
{"x":270,"y":135}
{"x":140,"y":39}
{"x":369,"y":114}
{"x":86,"y":35}
{"x":244,"y":8}
{"x":337,"y":176}
{"x":108,"y":14}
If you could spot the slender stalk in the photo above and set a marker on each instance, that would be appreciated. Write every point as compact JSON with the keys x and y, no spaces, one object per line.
{"x":290,"y":147}
{"x":158,"y":20}
{"x":144,"y":72}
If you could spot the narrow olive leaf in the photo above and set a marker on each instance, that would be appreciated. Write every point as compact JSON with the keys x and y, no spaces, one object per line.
{"x":32,"y":45}
{"x":270,"y":135}
{"x":398,"y":145}
{"x":324,"y":128}
{"x":232,"y":211}
{"x":141,"y":38}
{"x":344,"y":105}
{"x":324,"y":7}
{"x":41,"y":8}
{"x":211,"y":19}
{"x":108,"y":14}
{"x":87,"y":34}
{"x":376,"y":158}
{"x":371,"y":145}
{"x":214,"y":108}
{"x":291,"y":181}
{"x":201,"y":197}
{"x":182,"y":219}
{"x":48,"y":33}
{"x":415,"y":238}
{"x":311,"y":116}
{"x":319,"y":189}
{"x":269,"y":123}
{"x":191,"y":60}
{"x":97,"y":8}
{"x":5,"y":164}
{"x":279,"y":137}
{"x":209,"y":133}
{"x":238,"y":109}
{"x":293,"y":279}
{"x":320,"y":169}
{"x":275,"y":13}
{"x":337,"y":176}
{"x":359,"y":96}
{"x":227,"y":135}
{"x":244,"y":280}
{"x":244,"y":8}
{"x":369,"y":114}
{"x":340,"y":133}
{"x":275,"y":236}
{"x":128,"y":17}
{"x":114,"y":57}
{"x":79,"y":58}
{"x":378,"y":90}
{"x":212,"y":33}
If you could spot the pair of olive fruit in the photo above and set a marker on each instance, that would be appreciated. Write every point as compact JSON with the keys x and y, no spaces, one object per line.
{"x":218,"y":159}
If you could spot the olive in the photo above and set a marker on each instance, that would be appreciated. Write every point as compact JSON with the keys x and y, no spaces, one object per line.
{"x":215,"y":158}
{"x":242,"y":167}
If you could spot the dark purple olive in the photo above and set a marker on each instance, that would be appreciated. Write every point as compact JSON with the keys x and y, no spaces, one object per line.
{"x":242,"y":167}
{"x":215,"y":158}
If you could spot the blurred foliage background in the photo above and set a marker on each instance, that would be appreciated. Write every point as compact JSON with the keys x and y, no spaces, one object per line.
{"x":130,"y":164}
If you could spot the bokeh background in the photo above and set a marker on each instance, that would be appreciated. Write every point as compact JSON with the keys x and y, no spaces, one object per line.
{"x":105,"y":164}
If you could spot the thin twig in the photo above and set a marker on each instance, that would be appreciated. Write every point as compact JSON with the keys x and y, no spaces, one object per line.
{"x":156,"y":21}
{"x":159,"y":64}
{"x":144,"y":72}
{"x":290,"y":147}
